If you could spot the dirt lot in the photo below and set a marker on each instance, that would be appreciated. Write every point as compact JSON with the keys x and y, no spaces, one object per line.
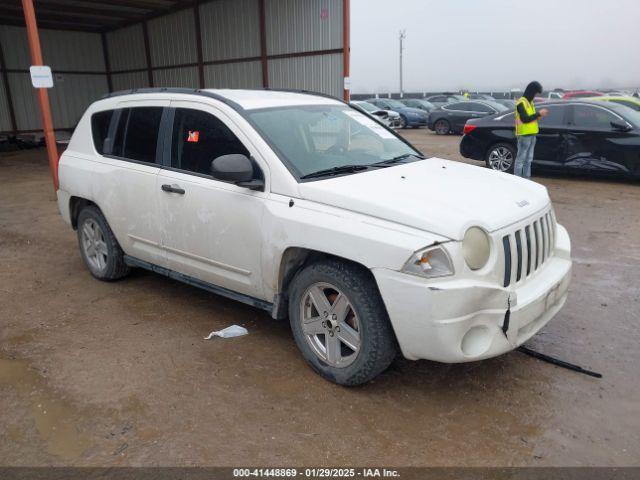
{"x":110,"y":374}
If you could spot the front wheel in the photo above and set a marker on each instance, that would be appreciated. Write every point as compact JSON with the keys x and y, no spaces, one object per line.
{"x":339,"y":322}
{"x":501,"y":157}
{"x":403,"y":122}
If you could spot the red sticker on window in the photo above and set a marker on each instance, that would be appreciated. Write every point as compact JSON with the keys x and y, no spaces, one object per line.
{"x":194,"y":136}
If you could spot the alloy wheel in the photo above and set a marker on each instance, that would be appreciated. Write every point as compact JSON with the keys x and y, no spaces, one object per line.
{"x":442,"y":127}
{"x":500,"y":158}
{"x":330,"y":325}
{"x":94,"y":245}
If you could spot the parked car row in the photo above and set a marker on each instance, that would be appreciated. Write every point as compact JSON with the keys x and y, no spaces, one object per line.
{"x":451,"y":117}
{"x":588,"y":136}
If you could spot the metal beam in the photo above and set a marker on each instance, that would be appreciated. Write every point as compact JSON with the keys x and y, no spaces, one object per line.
{"x":107,"y":65}
{"x":54,"y":25}
{"x":147,"y":52}
{"x":196,"y":20}
{"x":7,"y":92}
{"x":346,"y":45}
{"x":263,"y":44}
{"x":63,"y":17}
{"x":43,"y":95}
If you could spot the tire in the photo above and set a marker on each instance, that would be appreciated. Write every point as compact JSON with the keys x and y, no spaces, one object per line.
{"x":361,"y":320}
{"x":403,"y":122}
{"x":442,"y":127}
{"x":99,"y":248}
{"x":501,"y":157}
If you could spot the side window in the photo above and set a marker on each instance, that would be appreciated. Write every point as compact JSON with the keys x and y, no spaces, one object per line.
{"x":198,"y":139}
{"x":592,"y":117}
{"x":137,"y":134}
{"x":457,"y":106}
{"x":555,"y":116}
{"x":479,"y":107}
{"x":100,"y":122}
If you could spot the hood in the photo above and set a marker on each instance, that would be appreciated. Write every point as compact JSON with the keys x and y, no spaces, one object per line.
{"x":435,"y":195}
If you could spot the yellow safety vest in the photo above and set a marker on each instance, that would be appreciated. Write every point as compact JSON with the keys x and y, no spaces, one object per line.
{"x":530,"y":128}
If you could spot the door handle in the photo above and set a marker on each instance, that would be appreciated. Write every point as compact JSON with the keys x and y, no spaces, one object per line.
{"x":171,"y":189}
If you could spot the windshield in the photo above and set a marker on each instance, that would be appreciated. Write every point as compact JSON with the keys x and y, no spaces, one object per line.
{"x":369,"y":107}
{"x":319,"y":137}
{"x":498,"y":106}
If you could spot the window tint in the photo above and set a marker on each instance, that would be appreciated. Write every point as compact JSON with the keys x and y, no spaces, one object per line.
{"x":627,"y":103}
{"x":100,"y":128}
{"x":198,"y":139}
{"x":554,"y":117}
{"x":478,"y":107}
{"x":458,"y":106}
{"x":592,"y":117}
{"x":137,"y":134}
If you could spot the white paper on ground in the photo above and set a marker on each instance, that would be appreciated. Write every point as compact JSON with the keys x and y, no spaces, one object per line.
{"x":232,"y":331}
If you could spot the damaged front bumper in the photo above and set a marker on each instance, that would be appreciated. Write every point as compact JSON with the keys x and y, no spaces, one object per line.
{"x":455,"y":321}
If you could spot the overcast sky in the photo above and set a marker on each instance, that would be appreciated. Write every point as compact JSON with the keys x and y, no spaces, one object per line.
{"x":495,"y":44}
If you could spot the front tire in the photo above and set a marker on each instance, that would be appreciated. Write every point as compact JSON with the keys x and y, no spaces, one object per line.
{"x":403,"y":122}
{"x":340,"y":323}
{"x":99,"y":248}
{"x":501,"y":157}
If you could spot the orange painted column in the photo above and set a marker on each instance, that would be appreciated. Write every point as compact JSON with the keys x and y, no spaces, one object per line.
{"x":346,"y":43}
{"x":43,"y":95}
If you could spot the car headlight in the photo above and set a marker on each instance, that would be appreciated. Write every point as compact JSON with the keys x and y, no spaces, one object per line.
{"x":476,"y":247}
{"x":430,"y":262}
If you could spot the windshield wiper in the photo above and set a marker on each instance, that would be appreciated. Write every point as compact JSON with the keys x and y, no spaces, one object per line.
{"x":327,"y":172}
{"x":397,"y":159}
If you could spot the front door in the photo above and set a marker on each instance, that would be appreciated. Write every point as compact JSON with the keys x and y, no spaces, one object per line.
{"x":211,"y":229}
{"x":594,"y":145}
{"x":549,"y":143}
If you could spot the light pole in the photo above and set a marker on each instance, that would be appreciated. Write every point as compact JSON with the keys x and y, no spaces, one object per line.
{"x":402,"y":36}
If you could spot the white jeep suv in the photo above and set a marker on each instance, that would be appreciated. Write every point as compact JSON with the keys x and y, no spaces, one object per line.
{"x":300,"y":205}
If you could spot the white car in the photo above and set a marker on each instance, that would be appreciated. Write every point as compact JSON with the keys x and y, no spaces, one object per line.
{"x":302,"y":206}
{"x":388,"y":117}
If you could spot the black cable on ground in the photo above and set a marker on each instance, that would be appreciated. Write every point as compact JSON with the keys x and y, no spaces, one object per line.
{"x":559,"y":363}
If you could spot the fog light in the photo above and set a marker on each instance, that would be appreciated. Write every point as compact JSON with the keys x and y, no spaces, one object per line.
{"x":476,"y":341}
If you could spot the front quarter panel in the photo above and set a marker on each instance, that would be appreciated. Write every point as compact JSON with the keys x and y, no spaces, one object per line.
{"x":372,"y":242}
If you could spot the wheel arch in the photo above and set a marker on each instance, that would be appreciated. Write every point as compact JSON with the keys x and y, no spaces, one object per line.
{"x":293,"y":260}
{"x":76,"y":204}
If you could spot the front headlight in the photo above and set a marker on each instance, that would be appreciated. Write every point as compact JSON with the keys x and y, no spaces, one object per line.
{"x":476,"y":247}
{"x":430,"y":262}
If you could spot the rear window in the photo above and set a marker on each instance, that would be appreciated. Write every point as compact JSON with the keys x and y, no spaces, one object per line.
{"x":137,"y":134}
{"x":100,"y":122}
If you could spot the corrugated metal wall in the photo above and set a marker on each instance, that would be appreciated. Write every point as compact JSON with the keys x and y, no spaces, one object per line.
{"x":5,"y":118}
{"x":303,"y":44}
{"x":64,"y":52}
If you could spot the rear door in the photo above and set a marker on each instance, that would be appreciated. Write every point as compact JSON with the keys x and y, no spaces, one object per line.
{"x":592,"y":144}
{"x":549,"y":150}
{"x":211,"y":229}
{"x":127,"y":172}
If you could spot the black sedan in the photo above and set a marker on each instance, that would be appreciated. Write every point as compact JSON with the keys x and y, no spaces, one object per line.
{"x":576,"y":136}
{"x":453,"y":116}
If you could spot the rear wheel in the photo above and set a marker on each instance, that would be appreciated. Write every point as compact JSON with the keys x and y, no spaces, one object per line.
{"x":340,"y":323}
{"x":501,"y":157}
{"x":442,"y":127}
{"x":98,"y":246}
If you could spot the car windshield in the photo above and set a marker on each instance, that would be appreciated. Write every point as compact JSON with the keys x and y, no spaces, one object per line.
{"x":320,"y":137}
{"x":369,"y":107}
{"x":498,"y":106}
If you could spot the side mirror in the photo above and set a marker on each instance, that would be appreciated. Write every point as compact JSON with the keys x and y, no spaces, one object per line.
{"x":236,"y":168}
{"x":620,"y":127}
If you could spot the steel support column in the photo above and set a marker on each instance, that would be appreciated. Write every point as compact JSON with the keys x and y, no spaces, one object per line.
{"x":346,"y":44}
{"x":196,"y":19}
{"x":7,"y":92}
{"x":43,"y":94}
{"x":147,"y":52}
{"x":107,"y":65}
{"x":263,"y":44}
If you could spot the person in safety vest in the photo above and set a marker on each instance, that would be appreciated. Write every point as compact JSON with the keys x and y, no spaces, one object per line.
{"x":527,"y":129}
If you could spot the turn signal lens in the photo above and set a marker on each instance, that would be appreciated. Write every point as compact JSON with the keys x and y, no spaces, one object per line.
{"x":468,"y":128}
{"x":430,"y":262}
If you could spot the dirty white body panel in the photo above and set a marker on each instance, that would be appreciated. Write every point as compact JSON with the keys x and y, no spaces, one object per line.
{"x":235,"y":238}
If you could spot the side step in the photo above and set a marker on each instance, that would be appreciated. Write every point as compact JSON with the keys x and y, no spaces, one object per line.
{"x":254,"y":302}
